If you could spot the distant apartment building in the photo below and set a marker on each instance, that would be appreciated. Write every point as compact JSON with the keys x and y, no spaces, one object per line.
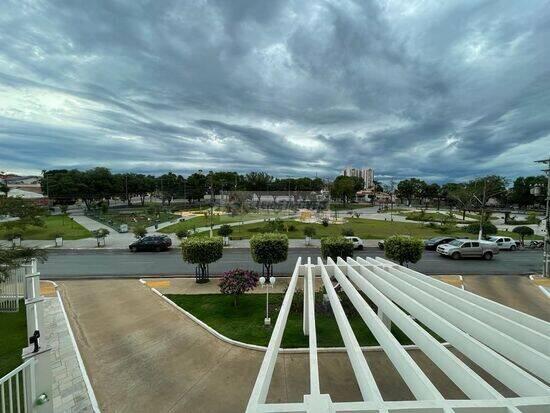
{"x":366,"y":173}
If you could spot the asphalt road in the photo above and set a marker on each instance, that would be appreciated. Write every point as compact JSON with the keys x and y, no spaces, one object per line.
{"x":122,"y":263}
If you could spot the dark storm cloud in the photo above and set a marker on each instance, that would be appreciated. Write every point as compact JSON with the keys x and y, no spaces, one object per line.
{"x":445,"y":90}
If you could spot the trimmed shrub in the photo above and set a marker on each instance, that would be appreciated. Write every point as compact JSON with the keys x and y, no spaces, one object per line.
{"x":139,"y":231}
{"x":269,"y":249}
{"x":182,"y":233}
{"x":238,"y":281}
{"x":488,"y":228}
{"x":403,"y":249}
{"x":335,"y":247}
{"x":310,"y":231}
{"x":201,"y":252}
{"x":523,"y":231}
{"x":347,"y":232}
{"x":324,"y":222}
{"x":225,"y":230}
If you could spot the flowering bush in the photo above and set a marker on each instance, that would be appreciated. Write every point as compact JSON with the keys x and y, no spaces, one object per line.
{"x":237,"y":282}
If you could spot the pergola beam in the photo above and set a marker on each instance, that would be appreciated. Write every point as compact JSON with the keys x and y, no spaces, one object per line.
{"x":512,"y":329}
{"x":419,"y":384}
{"x":457,"y":316}
{"x":459,"y":373}
{"x":518,"y":380}
{"x":263,"y":381}
{"x":509,"y":347}
{"x":365,"y":380}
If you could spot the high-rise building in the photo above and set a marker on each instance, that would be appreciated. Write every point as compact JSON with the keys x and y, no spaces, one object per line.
{"x":366,"y":173}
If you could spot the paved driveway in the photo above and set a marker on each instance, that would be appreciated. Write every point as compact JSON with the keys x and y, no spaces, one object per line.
{"x":142,"y":355}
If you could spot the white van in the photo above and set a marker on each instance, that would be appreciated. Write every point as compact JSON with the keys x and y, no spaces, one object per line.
{"x":357,"y":242}
{"x":505,"y":243}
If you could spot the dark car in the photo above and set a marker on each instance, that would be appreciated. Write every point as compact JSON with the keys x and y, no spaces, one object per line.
{"x":432,"y":243}
{"x":151,"y":243}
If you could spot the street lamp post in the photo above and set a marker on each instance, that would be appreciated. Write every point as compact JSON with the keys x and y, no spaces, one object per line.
{"x":267,"y":283}
{"x":546,"y":254}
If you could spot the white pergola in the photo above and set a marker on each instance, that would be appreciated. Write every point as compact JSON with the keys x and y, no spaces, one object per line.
{"x":511,"y":346}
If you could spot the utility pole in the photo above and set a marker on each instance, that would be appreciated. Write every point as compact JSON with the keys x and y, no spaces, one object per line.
{"x":481,"y":216}
{"x":211,"y":202}
{"x":126,"y":181}
{"x":546,"y":254}
{"x":391,"y":199}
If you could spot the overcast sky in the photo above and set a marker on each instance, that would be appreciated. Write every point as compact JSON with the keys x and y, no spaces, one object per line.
{"x":442,"y":90}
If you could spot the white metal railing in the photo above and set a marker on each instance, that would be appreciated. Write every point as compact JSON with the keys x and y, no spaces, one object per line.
{"x":28,"y":388}
{"x":13,"y":389}
{"x":12,"y":289}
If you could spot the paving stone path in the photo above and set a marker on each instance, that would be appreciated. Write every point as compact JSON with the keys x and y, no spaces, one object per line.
{"x":69,"y":390}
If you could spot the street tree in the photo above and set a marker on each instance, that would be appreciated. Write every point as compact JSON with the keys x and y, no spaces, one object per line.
{"x":403,"y":249}
{"x":237,"y":282}
{"x":140,"y":231}
{"x":269,"y":249}
{"x":335,"y":247}
{"x":523,"y":231}
{"x":202,"y":252}
{"x":27,"y":213}
{"x":4,"y":189}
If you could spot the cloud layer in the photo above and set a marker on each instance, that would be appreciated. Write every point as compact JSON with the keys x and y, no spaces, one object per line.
{"x":440,"y":90}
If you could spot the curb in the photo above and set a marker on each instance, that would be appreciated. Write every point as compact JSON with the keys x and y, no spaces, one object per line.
{"x":544,"y":290}
{"x":299,"y":350}
{"x":89,"y":388}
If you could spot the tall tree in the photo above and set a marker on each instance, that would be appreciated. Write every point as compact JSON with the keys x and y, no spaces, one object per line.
{"x":410,"y":188}
{"x":520,"y":193}
{"x":346,"y":187}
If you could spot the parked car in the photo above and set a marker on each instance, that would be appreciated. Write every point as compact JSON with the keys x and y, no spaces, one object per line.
{"x":357,"y":242}
{"x":458,"y":249}
{"x":505,"y":243}
{"x":151,"y":243}
{"x":432,"y":243}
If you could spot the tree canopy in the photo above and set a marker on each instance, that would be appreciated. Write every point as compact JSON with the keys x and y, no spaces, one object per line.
{"x":403,"y":249}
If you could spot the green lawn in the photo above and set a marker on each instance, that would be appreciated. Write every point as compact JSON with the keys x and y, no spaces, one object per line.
{"x":347,"y":207}
{"x":363,"y":228}
{"x":202,"y":221}
{"x":134,"y":218}
{"x":54,"y":224}
{"x":13,"y":337}
{"x":245,"y":323}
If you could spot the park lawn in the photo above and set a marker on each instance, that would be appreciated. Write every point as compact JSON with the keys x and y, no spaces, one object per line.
{"x":13,"y":337}
{"x":53,"y":225}
{"x":245,"y":322}
{"x":363,"y":228}
{"x":203,"y":221}
{"x":139,"y":217}
{"x":347,"y":207}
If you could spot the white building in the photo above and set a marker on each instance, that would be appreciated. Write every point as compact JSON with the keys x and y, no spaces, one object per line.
{"x":366,"y":173}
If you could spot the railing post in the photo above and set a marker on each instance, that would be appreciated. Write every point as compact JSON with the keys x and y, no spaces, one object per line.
{"x":306,"y":286}
{"x":38,"y":381}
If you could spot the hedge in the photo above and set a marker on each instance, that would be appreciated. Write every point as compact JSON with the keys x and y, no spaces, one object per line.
{"x":202,"y":250}
{"x":335,"y":247}
{"x":269,"y":248}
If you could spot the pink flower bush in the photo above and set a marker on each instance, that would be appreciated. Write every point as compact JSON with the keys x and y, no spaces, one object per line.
{"x":237,"y":282}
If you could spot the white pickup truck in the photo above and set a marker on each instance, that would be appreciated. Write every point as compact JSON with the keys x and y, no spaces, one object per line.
{"x":458,"y":249}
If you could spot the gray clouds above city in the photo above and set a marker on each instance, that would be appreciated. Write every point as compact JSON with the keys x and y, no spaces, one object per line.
{"x":439,"y":90}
